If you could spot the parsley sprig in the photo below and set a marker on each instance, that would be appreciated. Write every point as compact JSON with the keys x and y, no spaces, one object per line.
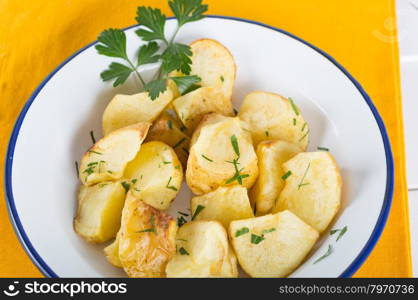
{"x":159,"y":48}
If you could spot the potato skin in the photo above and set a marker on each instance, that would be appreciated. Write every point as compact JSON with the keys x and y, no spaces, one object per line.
{"x":168,"y":130}
{"x":317,"y":202}
{"x":125,"y":110}
{"x":99,"y":211}
{"x":271,"y":155}
{"x":202,"y":251}
{"x":212,"y":139}
{"x":272,"y":117}
{"x":155,"y":175}
{"x":107,"y":159}
{"x":143,"y":253}
{"x":282,"y":250}
{"x":225,"y":204}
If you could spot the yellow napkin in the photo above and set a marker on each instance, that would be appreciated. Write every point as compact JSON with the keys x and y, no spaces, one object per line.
{"x":35,"y":36}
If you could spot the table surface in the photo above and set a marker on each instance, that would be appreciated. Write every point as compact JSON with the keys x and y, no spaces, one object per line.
{"x":407,"y":11}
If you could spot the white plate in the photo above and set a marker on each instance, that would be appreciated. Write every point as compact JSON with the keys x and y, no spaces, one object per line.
{"x":52,"y":132}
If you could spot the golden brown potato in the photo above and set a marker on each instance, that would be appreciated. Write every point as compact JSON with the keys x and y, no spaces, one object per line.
{"x":214,"y":64}
{"x":107,"y":159}
{"x":271,"y":155}
{"x":272,"y":245}
{"x":155,"y":175}
{"x":313,"y":191}
{"x":194,"y":105}
{"x":168,"y":130}
{"x":99,"y":211}
{"x":125,"y":110}
{"x":202,"y":251}
{"x":273,"y":117}
{"x":112,"y":252}
{"x":225,"y":204}
{"x":214,"y":159}
{"x":147,"y":239}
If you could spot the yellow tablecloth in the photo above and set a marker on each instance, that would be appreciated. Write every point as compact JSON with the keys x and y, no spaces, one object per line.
{"x":37,"y":35}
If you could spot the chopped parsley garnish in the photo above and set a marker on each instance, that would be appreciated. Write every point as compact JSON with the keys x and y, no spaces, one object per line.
{"x":102,"y":184}
{"x":177,"y":167}
{"x":234,"y":142}
{"x":304,"y":126}
{"x":126,"y":186}
{"x":92,"y":137}
{"x":134,"y":181}
{"x":268,"y":230}
{"x":341,"y":231}
{"x":304,"y":136}
{"x":207,"y":158}
{"x":179,"y":143}
{"x":183,"y":214}
{"x":328,"y":253}
{"x":170,"y":124}
{"x":222,"y":78}
{"x":294,"y":107}
{"x":183,"y":251}
{"x":153,"y":228}
{"x":286,"y":175}
{"x":76,"y":168}
{"x":242,"y":231}
{"x":256,"y":239}
{"x":266,"y":133}
{"x":198,"y":210}
{"x":181,"y":221}
{"x":170,"y":186}
{"x":166,"y":162}
{"x":323,"y":149}
{"x":294,"y":121}
{"x":95,"y":152}
{"x":301,"y":183}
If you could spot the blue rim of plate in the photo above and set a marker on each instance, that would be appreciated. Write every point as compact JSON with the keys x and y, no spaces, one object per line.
{"x":353,"y":267}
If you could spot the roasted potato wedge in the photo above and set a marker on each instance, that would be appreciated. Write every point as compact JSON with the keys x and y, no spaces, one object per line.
{"x":202,"y":251}
{"x":107,"y":159}
{"x":99,"y":211}
{"x":272,"y":245}
{"x":194,"y":105}
{"x":271,"y":155}
{"x":225,"y":204}
{"x":112,"y":252}
{"x":168,"y":130}
{"x":155,"y":175}
{"x":273,"y":117}
{"x":147,"y":239}
{"x":214,"y":64}
{"x":213,"y":159}
{"x":125,"y":110}
{"x":313,"y":191}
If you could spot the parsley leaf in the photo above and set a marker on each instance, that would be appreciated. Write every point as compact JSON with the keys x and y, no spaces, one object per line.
{"x":186,"y":83}
{"x":112,"y":42}
{"x":187,"y":10}
{"x":177,"y":57}
{"x":116,"y":71}
{"x":154,"y":88}
{"x":147,"y":54}
{"x":154,"y":22}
